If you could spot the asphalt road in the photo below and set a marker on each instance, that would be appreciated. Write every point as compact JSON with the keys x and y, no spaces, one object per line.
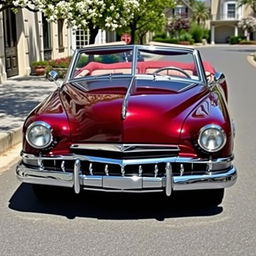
{"x":97,"y":224}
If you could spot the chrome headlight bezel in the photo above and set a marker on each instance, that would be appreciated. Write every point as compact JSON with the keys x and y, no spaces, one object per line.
{"x":47,"y":128}
{"x":213,"y":127}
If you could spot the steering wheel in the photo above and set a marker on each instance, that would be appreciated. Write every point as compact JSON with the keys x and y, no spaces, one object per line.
{"x":172,"y":68}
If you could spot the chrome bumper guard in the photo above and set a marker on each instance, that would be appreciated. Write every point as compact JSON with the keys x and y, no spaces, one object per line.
{"x":136,"y":184}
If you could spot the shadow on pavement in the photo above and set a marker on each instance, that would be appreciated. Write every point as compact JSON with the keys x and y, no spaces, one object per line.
{"x":111,"y":206}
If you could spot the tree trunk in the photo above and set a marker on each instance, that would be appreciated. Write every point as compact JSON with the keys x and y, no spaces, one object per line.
{"x":93,"y":33}
{"x":141,"y":37}
{"x":133,"y":32}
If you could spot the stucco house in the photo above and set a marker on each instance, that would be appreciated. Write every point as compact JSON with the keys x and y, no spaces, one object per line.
{"x":225,"y":15}
{"x":27,"y":36}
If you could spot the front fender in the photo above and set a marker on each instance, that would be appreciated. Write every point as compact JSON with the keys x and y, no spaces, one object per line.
{"x":52,"y":112}
{"x":212,"y":110}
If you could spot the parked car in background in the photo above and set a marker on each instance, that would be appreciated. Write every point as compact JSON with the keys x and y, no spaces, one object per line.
{"x":157,"y":121}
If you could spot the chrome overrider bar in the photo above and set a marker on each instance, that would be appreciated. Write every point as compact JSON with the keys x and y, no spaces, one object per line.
{"x":214,"y":176}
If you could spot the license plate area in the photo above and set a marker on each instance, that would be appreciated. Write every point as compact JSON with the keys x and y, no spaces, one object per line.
{"x":122,"y":182}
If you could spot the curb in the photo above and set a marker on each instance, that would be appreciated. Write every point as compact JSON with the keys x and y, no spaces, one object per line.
{"x":10,"y":139}
{"x":250,"y":59}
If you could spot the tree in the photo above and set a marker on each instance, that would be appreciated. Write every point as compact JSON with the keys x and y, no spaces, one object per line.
{"x":201,"y":12}
{"x":251,"y":3}
{"x":85,"y":14}
{"x":5,"y":4}
{"x":149,"y":16}
{"x":248,"y":25}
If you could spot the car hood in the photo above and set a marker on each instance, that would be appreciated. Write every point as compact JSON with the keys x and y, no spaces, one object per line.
{"x":154,"y":114}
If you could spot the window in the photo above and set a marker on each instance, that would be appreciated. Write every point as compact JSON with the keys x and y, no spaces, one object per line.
{"x":60,"y":35}
{"x":47,"y":39}
{"x":82,"y":38}
{"x":181,"y":11}
{"x":231,"y":10}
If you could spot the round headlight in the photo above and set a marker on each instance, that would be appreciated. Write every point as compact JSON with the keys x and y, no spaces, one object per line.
{"x":39,"y":135}
{"x":212,"y":138}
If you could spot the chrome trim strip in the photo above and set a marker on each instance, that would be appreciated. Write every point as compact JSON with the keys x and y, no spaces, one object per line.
{"x":126,"y":147}
{"x":210,"y":181}
{"x":90,"y":169}
{"x":126,"y":98}
{"x":189,"y":182}
{"x":106,"y":169}
{"x":140,"y":170}
{"x":76,"y":177}
{"x":200,"y":67}
{"x":156,"y":170}
{"x":226,"y":160}
{"x":168,"y":174}
{"x":63,"y":166}
{"x":123,"y":190}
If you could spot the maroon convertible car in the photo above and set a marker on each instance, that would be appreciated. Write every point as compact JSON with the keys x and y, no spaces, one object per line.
{"x":133,"y":118}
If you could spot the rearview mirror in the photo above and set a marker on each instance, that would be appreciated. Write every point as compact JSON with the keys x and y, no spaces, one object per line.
{"x":53,"y":76}
{"x":219,"y":77}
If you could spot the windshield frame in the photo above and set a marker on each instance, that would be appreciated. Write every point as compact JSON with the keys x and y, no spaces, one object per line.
{"x":135,"y":49}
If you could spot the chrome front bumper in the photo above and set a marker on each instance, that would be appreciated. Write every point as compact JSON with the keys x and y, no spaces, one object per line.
{"x":137,"y":183}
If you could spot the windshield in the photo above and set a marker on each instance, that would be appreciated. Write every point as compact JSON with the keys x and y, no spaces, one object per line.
{"x":151,"y":63}
{"x":100,"y":63}
{"x":174,"y":64}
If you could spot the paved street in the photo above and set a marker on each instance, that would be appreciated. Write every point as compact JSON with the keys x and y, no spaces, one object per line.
{"x":97,"y":224}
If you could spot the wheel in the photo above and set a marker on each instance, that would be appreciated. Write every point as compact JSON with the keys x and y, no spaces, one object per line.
{"x":172,"y":68}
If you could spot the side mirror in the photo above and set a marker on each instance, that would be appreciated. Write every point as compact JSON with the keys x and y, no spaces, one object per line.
{"x":219,"y":78}
{"x":53,"y":76}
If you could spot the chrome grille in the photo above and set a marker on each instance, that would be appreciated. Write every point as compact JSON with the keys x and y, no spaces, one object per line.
{"x":125,"y":151}
{"x":102,"y":169}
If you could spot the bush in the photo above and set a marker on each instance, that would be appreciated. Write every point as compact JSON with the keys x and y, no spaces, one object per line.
{"x":234,"y":39}
{"x":108,"y":58}
{"x":186,"y":37}
{"x":40,"y":63}
{"x":197,"y":33}
{"x":167,"y":40}
{"x":60,"y":63}
{"x":83,"y":60}
{"x":206,"y":34}
{"x":160,"y":35}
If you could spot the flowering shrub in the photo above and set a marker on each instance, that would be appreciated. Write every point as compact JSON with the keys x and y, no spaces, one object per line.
{"x":248,"y":25}
{"x":60,"y":63}
{"x":178,"y":24}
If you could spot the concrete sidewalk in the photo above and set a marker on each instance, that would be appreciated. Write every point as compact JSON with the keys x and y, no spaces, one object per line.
{"x":18,"y":96}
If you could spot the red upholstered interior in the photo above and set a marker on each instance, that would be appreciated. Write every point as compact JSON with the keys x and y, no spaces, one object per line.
{"x":96,"y":68}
